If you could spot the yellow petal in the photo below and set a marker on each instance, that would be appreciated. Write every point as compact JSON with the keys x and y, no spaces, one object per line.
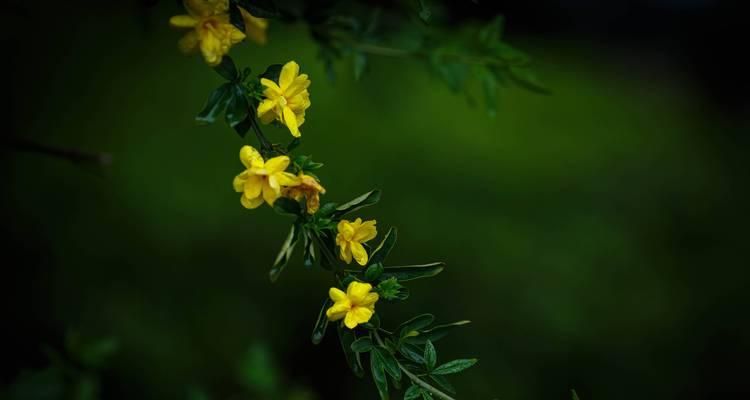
{"x":289,"y":72}
{"x":266,"y":106}
{"x":253,"y":186}
{"x":361,"y":314}
{"x":239,"y":183}
{"x":251,"y":203}
{"x":337,"y":311}
{"x":336,"y":294}
{"x":206,"y":7}
{"x":183,"y":21}
{"x":365,"y":232}
{"x":350,"y":320}
{"x":345,"y":253}
{"x":277,"y":164}
{"x":250,"y":158}
{"x":271,"y":85}
{"x":267,"y":118}
{"x":290,"y":120}
{"x":369,"y":300}
{"x":235,"y":35}
{"x":346,"y":229}
{"x":270,"y":194}
{"x":357,"y":291}
{"x":359,"y":252}
{"x":211,"y":48}
{"x":299,"y":84}
{"x":287,"y":179}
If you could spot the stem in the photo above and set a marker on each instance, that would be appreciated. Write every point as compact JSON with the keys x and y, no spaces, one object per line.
{"x":265,"y":145}
{"x":415,"y":379}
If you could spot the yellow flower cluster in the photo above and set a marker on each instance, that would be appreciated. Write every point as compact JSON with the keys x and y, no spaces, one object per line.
{"x":355,"y":307}
{"x":267,"y":180}
{"x":211,"y":31}
{"x":286,"y":101}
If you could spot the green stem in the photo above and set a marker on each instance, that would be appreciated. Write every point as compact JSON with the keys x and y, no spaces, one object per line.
{"x":265,"y":145}
{"x":414,"y":378}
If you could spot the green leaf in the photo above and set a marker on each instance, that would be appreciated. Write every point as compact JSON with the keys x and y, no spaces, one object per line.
{"x":346,"y":338}
{"x":319,"y":330}
{"x":327,"y":209}
{"x":360,"y":63}
{"x":489,"y":87}
{"x":411,"y":352}
{"x":426,"y":395}
{"x":364,"y":200}
{"x":227,"y":69}
{"x":525,"y":77}
{"x":287,"y":206}
{"x":309,"y":253}
{"x":260,"y":8}
{"x":385,"y":247}
{"x":493,"y":31}
{"x":325,"y":245}
{"x":215,"y":105}
{"x":436,"y":333}
{"x":424,"y":11}
{"x":411,"y":272}
{"x":285,"y":253}
{"x":430,"y":355}
{"x":373,"y":323}
{"x":574,"y":395}
{"x":443,"y":383}
{"x":272,"y":72}
{"x":362,"y":345}
{"x":293,"y":144}
{"x":390,"y":363}
{"x":244,"y":125}
{"x":237,"y":109}
{"x":414,"y":392}
{"x":390,"y":289}
{"x":377,"y":366}
{"x":373,"y":272}
{"x":455,"y":366}
{"x":90,"y":353}
{"x":413,"y":325}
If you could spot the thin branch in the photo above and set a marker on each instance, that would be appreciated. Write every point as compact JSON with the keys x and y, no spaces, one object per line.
{"x":415,"y":379}
{"x":73,"y":155}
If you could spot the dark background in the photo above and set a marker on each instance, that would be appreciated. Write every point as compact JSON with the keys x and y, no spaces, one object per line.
{"x":596,"y":237}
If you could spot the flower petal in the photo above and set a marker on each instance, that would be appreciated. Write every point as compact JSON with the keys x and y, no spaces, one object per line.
{"x":361,"y":314}
{"x":359,"y":253}
{"x":289,"y":72}
{"x":350,"y":320}
{"x":277,"y":164}
{"x":251,"y":203}
{"x":337,"y":311}
{"x":270,"y":194}
{"x":290,"y":120}
{"x":357,"y":291}
{"x":253,"y":186}
{"x":366,"y":231}
{"x":346,"y":230}
{"x":271,"y":85}
{"x":188,"y":44}
{"x":336,"y":294}
{"x":266,"y":106}
{"x":345,"y":252}
{"x":250,"y":158}
{"x":369,"y":300}
{"x":239,"y":183}
{"x":183,"y":21}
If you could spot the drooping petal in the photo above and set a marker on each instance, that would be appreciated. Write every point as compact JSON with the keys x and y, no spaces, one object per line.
{"x":253,"y":186}
{"x":289,"y":72}
{"x":251,"y":203}
{"x":290,"y":120}
{"x":361,"y":314}
{"x":345,"y":253}
{"x":359,"y":253}
{"x":357,"y":292}
{"x":266,"y":106}
{"x":269,"y":193}
{"x":250,"y":158}
{"x":336,"y":294}
{"x":350,"y":320}
{"x":211,"y":48}
{"x":277,"y":164}
{"x":183,"y":21}
{"x":369,"y":300}
{"x":337,"y":311}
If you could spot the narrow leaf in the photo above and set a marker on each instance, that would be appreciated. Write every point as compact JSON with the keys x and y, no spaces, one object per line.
{"x":378,"y":375}
{"x":362,"y":345}
{"x":411,"y":352}
{"x":414,"y":392}
{"x":443,"y":383}
{"x":415,"y":324}
{"x":385,"y":247}
{"x":322,"y":323}
{"x":215,"y":105}
{"x":346,"y":338}
{"x":430,"y":355}
{"x":286,"y":252}
{"x":525,"y":77}
{"x":411,"y":272}
{"x":436,"y":333}
{"x":390,"y":363}
{"x":364,"y":200}
{"x":452,"y":367}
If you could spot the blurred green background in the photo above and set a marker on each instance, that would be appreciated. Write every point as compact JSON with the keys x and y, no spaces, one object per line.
{"x":595,"y":237}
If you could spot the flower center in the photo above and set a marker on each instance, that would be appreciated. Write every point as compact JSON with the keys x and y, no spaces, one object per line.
{"x":282,"y":101}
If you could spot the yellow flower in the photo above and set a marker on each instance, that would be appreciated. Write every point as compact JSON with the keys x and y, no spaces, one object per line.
{"x":255,"y":28}
{"x":287,"y":101}
{"x":262,"y":180}
{"x":211,"y":32}
{"x":308,"y":188}
{"x":356,"y":306}
{"x":350,"y":237}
